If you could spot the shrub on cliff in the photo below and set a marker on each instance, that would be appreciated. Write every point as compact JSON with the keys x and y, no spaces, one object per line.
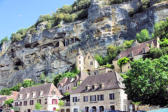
{"x":19,"y":35}
{"x":143,"y":36}
{"x":5,"y":39}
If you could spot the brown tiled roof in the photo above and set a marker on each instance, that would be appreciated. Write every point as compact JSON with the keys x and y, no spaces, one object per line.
{"x":110,"y":80}
{"x":138,"y":49}
{"x":37,"y":89}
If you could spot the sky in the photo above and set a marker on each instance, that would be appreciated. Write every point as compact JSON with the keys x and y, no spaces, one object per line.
{"x":17,"y":14}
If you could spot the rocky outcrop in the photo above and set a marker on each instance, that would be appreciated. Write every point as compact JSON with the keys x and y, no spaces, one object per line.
{"x":54,"y":50}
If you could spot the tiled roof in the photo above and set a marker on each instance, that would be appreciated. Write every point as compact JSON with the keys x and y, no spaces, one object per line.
{"x":110,"y":80}
{"x":138,"y":49}
{"x":45,"y":88}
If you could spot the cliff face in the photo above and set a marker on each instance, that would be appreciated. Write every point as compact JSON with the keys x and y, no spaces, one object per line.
{"x":54,"y":50}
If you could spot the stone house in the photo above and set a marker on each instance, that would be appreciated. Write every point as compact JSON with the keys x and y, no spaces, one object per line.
{"x":3,"y":98}
{"x":99,"y":93}
{"x":138,"y":50}
{"x":87,"y":66}
{"x":86,"y":63}
{"x":46,"y":94}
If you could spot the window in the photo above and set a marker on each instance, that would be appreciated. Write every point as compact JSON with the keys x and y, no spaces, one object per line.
{"x":34,"y":94}
{"x":28,"y":94}
{"x":46,"y":101}
{"x":86,"y":109}
{"x":93,"y":87}
{"x":85,"y":99}
{"x":20,"y":96}
{"x":54,"y":109}
{"x":25,"y":103}
{"x":31,"y":102}
{"x":41,"y":93}
{"x":54,"y":101}
{"x":75,"y":99}
{"x":88,"y":57}
{"x":111,"y":96}
{"x":16,"y":103}
{"x":79,"y":62}
{"x":75,"y":110}
{"x":91,"y":63}
{"x":112,"y":107}
{"x":39,"y":101}
{"x":93,"y":98}
{"x":100,"y":97}
{"x":20,"y":103}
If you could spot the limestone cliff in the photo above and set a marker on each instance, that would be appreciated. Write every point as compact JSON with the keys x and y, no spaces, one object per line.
{"x":54,"y":50}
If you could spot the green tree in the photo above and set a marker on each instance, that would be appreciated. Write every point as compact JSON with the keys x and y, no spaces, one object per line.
{"x":44,"y":18}
{"x":123,"y":61}
{"x":99,"y":59}
{"x":38,"y":106}
{"x":128,"y":43}
{"x":9,"y":102}
{"x":5,"y":91}
{"x":27,"y":83}
{"x":143,"y":36}
{"x":161,"y":28}
{"x":155,"y":53}
{"x":164,"y":42}
{"x":5,"y":39}
{"x":61,"y":103}
{"x":147,"y":81}
{"x":112,"y":52}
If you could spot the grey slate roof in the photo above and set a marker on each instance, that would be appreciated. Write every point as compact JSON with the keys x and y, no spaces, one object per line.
{"x":110,"y":80}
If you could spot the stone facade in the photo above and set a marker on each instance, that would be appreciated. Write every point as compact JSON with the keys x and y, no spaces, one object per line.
{"x":47,"y":95}
{"x":120,"y":101}
{"x":99,"y":93}
{"x":86,"y":63}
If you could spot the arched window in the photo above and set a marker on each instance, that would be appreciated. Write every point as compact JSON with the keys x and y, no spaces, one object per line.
{"x":101,"y":108}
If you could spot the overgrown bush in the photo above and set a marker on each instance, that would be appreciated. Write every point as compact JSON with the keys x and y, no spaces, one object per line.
{"x":19,"y":35}
{"x":5,"y":39}
{"x":123,"y":61}
{"x":143,"y":36}
{"x":161,"y":28}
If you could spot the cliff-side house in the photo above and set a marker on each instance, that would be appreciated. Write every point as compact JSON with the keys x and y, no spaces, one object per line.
{"x":138,"y":50}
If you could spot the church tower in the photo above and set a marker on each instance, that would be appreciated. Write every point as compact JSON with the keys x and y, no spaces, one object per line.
{"x":80,"y":60}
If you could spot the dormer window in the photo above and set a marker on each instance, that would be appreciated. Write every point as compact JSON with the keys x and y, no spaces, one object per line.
{"x":20,"y":96}
{"x":102,"y":86}
{"x":28,"y":94}
{"x":41,"y":93}
{"x":88,"y":88}
{"x":34,"y":94}
{"x":93,"y":87}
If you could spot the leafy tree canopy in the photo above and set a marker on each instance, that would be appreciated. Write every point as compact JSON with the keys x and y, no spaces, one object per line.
{"x":147,"y":81}
{"x":143,"y":36}
{"x":38,"y":106}
{"x":123,"y":61}
{"x":5,"y":39}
